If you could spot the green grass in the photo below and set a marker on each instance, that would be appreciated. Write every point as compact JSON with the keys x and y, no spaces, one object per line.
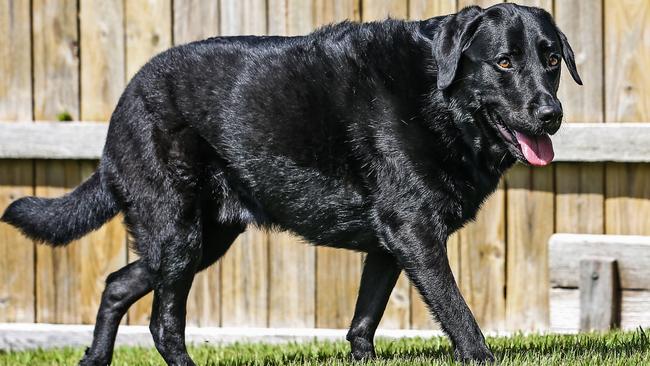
{"x":616,"y":348}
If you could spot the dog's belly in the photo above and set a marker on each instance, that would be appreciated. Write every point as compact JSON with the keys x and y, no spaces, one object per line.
{"x":323,"y":210}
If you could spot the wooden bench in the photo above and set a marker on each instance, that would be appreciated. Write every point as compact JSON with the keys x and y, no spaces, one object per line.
{"x":599,"y":282}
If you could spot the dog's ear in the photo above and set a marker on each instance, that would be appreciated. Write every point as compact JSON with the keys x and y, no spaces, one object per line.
{"x":567,"y":55}
{"x":452,"y":38}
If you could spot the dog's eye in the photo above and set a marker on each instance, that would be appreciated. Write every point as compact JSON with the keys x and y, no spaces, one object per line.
{"x":553,"y":60}
{"x":505,"y":63}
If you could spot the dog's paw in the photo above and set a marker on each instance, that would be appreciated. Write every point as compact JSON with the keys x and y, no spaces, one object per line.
{"x":362,"y":349}
{"x":89,"y":361}
{"x":479,"y":355}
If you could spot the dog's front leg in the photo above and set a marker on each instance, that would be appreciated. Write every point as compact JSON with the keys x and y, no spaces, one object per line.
{"x":419,"y":248}
{"x":380,"y":274}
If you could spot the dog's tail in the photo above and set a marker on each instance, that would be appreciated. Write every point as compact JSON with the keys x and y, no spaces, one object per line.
{"x":58,"y":221}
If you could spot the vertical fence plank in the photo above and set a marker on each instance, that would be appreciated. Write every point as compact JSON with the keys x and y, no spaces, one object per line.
{"x":421,"y":317}
{"x":529,"y":226}
{"x":102,"y":81}
{"x":15,"y":73}
{"x":329,"y":11}
{"x":482,"y":247}
{"x":58,"y":271}
{"x":195,"y":20}
{"x":292,"y":280}
{"x":398,"y":310}
{"x":481,"y":3}
{"x":530,"y":197}
{"x":56,"y":60}
{"x":382,"y":9}
{"x":16,"y":251}
{"x":148,"y":30}
{"x":544,"y":4}
{"x":580,"y":187}
{"x":424,"y":9}
{"x":338,"y":271}
{"x":16,"y":177}
{"x":244,"y":269}
{"x":56,"y":96}
{"x":292,"y":263}
{"x":483,"y":262}
{"x":243,"y":17}
{"x":627,"y":99}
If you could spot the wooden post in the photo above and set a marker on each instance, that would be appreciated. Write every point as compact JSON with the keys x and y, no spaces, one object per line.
{"x":599,"y":294}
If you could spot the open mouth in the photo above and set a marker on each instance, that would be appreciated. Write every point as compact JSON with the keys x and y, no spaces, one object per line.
{"x":536,"y":149}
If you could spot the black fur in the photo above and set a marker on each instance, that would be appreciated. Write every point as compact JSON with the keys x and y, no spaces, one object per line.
{"x":58,"y":221}
{"x":383,"y":137}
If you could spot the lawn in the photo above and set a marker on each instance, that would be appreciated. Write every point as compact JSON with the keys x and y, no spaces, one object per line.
{"x":616,"y":348}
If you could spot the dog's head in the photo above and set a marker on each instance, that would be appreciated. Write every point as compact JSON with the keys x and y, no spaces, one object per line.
{"x":506,"y":59}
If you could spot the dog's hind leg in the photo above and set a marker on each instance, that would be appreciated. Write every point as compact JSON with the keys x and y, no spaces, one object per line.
{"x":177,"y":270}
{"x":380,"y":274}
{"x":125,"y":286}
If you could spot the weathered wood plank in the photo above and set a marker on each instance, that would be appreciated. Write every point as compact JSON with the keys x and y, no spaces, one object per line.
{"x":579,"y":199}
{"x":530,"y":224}
{"x":478,"y":250}
{"x":398,"y":310}
{"x":56,"y":59}
{"x":483,"y":262}
{"x":627,"y":98}
{"x":16,"y":251}
{"x":481,"y":3}
{"x":580,"y":191}
{"x":101,"y":24}
{"x":424,"y":9}
{"x":599,"y":294}
{"x":51,"y":140}
{"x":574,"y":18}
{"x":331,"y":11}
{"x":632,"y":253}
{"x":244,"y":269}
{"x":627,"y":203}
{"x":58,"y":271}
{"x":337,"y":283}
{"x":243,"y":17}
{"x":148,"y":31}
{"x":565,"y":310}
{"x":382,"y":9}
{"x":102,"y":59}
{"x":292,"y":265}
{"x":597,"y":142}
{"x":244,"y":282}
{"x":575,"y":142}
{"x":292,"y":282}
{"x":544,"y":4}
{"x":15,"y":65}
{"x":195,"y":20}
{"x":56,"y":68}
{"x":16,"y":177}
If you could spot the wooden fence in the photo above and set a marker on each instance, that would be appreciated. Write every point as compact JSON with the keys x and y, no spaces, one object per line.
{"x":70,"y":59}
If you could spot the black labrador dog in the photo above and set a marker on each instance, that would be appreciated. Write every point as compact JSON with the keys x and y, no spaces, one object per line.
{"x":382,"y":137}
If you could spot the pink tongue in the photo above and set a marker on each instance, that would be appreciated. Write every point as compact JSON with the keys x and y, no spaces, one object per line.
{"x":538,"y":150}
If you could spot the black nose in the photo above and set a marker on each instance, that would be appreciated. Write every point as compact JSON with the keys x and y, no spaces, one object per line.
{"x":550,"y":116}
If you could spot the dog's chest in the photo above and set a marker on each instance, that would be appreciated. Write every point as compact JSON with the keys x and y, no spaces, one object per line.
{"x":465,"y":200}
